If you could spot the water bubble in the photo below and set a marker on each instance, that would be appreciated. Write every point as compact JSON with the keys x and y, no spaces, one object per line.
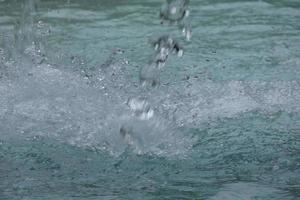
{"x":166,"y":43}
{"x":174,"y":11}
{"x":187,"y":33}
{"x":162,"y":57}
{"x":180,"y":53}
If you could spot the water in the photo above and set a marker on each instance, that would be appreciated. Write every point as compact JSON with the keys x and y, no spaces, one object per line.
{"x":222,"y":123}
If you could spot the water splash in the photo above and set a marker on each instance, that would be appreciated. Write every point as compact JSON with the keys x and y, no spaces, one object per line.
{"x":248,"y":145}
{"x":176,"y":12}
{"x":165,"y":45}
{"x":141,"y":108}
{"x":173,"y":12}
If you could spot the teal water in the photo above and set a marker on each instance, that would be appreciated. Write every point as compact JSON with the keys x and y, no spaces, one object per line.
{"x":226,"y":115}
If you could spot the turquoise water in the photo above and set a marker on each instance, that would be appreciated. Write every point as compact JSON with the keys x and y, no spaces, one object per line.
{"x":225,"y":119}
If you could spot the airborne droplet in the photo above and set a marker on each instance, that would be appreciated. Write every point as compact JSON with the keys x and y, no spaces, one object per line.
{"x":174,"y":10}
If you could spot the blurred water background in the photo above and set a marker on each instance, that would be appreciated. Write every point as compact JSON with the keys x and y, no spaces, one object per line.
{"x":76,"y":123}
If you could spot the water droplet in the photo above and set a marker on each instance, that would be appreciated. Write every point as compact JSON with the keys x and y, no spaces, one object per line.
{"x":174,"y":10}
{"x":180,"y":53}
{"x":140,"y":108}
{"x":164,"y":45}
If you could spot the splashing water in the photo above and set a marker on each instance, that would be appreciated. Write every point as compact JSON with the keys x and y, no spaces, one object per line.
{"x":100,"y":90}
{"x":171,"y":11}
{"x":164,"y":45}
{"x":222,"y":122}
{"x":141,"y":108}
{"x":176,"y":12}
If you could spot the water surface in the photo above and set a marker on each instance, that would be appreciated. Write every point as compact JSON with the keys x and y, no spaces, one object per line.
{"x":226,"y":117}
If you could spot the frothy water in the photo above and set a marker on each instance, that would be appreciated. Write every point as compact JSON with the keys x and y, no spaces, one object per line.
{"x":91,"y":108}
